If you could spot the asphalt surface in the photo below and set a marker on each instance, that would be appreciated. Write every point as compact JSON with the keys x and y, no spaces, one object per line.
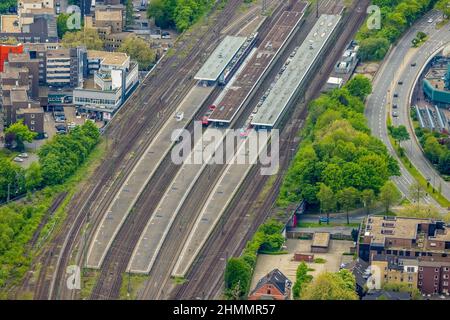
{"x":385,"y":85}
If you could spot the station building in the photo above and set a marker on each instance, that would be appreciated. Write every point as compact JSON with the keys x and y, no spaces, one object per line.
{"x":436,"y":84}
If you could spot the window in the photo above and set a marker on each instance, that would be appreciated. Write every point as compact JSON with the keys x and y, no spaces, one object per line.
{"x":32,"y":116}
{"x":32,"y":128}
{"x":420,"y":268}
{"x":420,"y":283}
{"x":445,"y":276}
{"x":445,"y":283}
{"x":436,"y":270}
{"x":445,"y":268}
{"x":436,"y":278}
{"x":32,"y":122}
{"x":420,"y":276}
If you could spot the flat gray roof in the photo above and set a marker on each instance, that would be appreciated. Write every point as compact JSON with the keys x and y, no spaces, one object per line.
{"x":220,"y":58}
{"x":284,"y":89}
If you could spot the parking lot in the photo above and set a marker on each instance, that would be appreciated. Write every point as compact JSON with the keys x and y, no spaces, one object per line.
{"x":285,"y":263}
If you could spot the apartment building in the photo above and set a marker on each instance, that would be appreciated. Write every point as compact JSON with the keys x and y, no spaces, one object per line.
{"x":63,"y":67}
{"x":434,"y":277}
{"x":403,"y":237}
{"x":408,"y":250}
{"x":397,"y":270}
{"x":23,"y":60}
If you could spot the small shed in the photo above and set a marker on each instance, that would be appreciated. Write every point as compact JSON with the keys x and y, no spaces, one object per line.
{"x":321,"y":242}
{"x":306,"y":257}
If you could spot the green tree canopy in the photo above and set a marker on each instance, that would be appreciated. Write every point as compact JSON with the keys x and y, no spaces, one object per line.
{"x":347,"y":199}
{"x":86,"y":37}
{"x":359,"y":86}
{"x":331,"y":286}
{"x":301,"y":280}
{"x":140,"y":51}
{"x":237,"y":274}
{"x":21,"y":134}
{"x":389,"y":195}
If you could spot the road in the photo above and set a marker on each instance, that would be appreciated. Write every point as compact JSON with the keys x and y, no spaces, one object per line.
{"x":381,"y":97}
{"x":409,"y":76}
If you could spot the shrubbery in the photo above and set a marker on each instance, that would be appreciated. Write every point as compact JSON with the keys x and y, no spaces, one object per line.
{"x":58,"y":160}
{"x":436,"y":147}
{"x":177,"y":13}
{"x":238,"y":273}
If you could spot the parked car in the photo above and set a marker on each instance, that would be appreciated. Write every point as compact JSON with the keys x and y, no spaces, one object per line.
{"x":395,"y":114}
{"x":18,"y":159}
{"x":413,"y":64}
{"x":430,"y":20}
{"x":400,"y":82}
{"x":395,"y":106}
{"x":395,"y":95}
{"x":23,"y":155}
{"x":179,"y":116}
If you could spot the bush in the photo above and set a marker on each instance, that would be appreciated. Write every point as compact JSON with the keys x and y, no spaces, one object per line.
{"x":267,"y":238}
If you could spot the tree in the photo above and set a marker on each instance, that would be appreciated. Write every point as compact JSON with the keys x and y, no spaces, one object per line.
{"x":162,"y":11}
{"x":373,"y":49}
{"x":21,"y":134}
{"x":327,"y":200}
{"x":33,"y":177}
{"x":61,"y":24}
{"x":359,"y":86}
{"x":444,"y":163}
{"x":399,"y":133}
{"x":422,"y":211}
{"x":347,"y":199}
{"x":140,"y":51}
{"x":301,"y":280}
{"x":416,"y":192}
{"x":237,"y":274}
{"x":444,"y":6}
{"x":403,"y":287}
{"x":86,"y":37}
{"x":368,"y":199}
{"x":129,"y":19}
{"x":331,"y":286}
{"x":389,"y":195}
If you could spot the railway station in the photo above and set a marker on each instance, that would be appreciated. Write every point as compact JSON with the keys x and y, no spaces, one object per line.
{"x":295,"y":75}
{"x":255,"y":70}
{"x":213,"y":71}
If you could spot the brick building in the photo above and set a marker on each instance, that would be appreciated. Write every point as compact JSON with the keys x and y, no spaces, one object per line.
{"x":274,"y":286}
{"x":408,"y":250}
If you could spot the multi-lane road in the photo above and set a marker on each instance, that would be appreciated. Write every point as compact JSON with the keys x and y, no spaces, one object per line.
{"x":396,"y":67}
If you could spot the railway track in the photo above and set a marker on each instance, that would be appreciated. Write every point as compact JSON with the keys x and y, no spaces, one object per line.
{"x":109,"y":282}
{"x":160,"y":283}
{"x":205,"y":279}
{"x":130,"y":132}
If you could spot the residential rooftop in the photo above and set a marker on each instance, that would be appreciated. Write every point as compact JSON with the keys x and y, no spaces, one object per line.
{"x":108,"y":15}
{"x":9,"y":24}
{"x":19,"y":95}
{"x":109,"y":58}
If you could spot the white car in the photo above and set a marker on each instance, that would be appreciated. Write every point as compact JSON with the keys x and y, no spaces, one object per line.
{"x":23,"y":155}
{"x":430,"y":20}
{"x":179,"y":116}
{"x":18,"y":159}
